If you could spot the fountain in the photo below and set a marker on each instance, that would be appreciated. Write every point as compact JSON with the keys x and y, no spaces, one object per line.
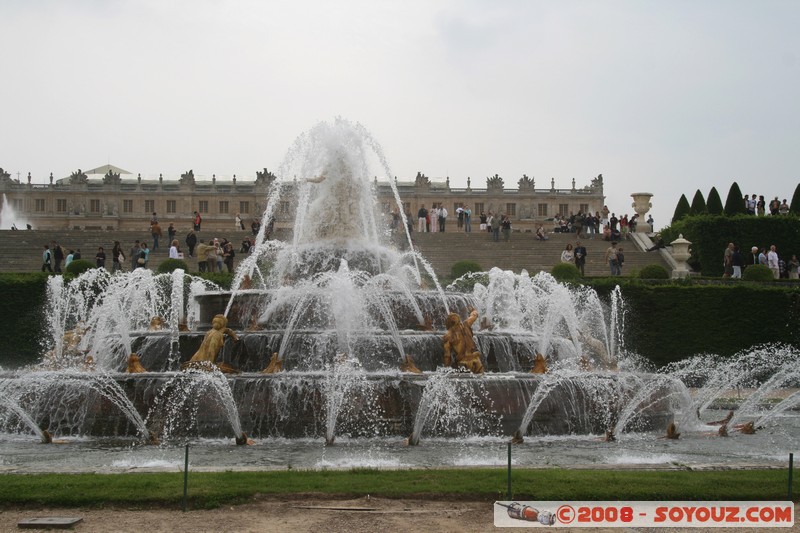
{"x":343,"y":336}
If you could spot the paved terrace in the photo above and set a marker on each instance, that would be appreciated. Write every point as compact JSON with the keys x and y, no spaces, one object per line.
{"x":22,"y":250}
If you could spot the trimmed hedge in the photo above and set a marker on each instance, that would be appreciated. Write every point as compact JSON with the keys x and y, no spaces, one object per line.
{"x":711,"y":234}
{"x":22,"y":318}
{"x":566,"y":272}
{"x":654,"y":272}
{"x":758,"y":273}
{"x":669,"y":322}
{"x":171,"y":265}
{"x":78,"y":267}
{"x":460,"y":268}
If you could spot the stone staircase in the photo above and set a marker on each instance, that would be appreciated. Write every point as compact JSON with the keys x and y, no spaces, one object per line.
{"x":22,"y":250}
{"x":523,"y":250}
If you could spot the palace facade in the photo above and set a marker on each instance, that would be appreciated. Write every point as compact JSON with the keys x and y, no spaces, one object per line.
{"x":102,"y":199}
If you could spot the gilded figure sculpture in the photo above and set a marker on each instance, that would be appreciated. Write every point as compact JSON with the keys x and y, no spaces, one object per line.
{"x":212,"y":344}
{"x":135,"y":364}
{"x":275,"y":365}
{"x":459,"y":340}
{"x":156,"y":324}
{"x":408,"y":365}
{"x":539,"y":364}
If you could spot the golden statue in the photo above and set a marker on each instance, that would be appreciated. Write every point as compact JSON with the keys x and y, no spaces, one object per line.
{"x":89,"y":364}
{"x":539,"y":364}
{"x":135,"y":365}
{"x":610,"y":437}
{"x":747,"y":429}
{"x":723,"y":430}
{"x":459,"y":339}
{"x":672,"y":431}
{"x":183,"y":326}
{"x":275,"y":365}
{"x":156,"y":324}
{"x":517,"y":437}
{"x":247,"y":283}
{"x":408,"y":366}
{"x":426,"y":325}
{"x":211,"y":346}
{"x":244,"y":440}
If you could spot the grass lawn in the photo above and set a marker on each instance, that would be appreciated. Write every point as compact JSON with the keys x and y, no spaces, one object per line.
{"x":211,"y":489}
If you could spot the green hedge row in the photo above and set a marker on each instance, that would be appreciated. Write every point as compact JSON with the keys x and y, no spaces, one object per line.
{"x":670,"y":322}
{"x":710,"y":235}
{"x":664,"y":322}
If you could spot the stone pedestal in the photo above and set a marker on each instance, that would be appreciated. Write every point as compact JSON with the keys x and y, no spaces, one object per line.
{"x":681,"y":254}
{"x":641,"y":204}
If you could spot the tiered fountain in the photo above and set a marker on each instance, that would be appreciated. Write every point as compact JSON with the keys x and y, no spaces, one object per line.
{"x":339,"y":335}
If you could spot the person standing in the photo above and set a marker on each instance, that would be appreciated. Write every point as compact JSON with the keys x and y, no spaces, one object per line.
{"x":467,"y":219}
{"x":442,"y":218}
{"x":228,"y":254}
{"x":794,"y":267}
{"x":155,"y":232}
{"x":506,"y":225}
{"x":772,"y":261}
{"x":100,"y":258}
{"x":494,"y":224}
{"x":146,"y":254}
{"x":433,"y":214}
{"x":567,"y":256}
{"x":47,"y":259}
{"x":483,"y":221}
{"x":580,"y":256}
{"x":175,"y":251}
{"x":460,"y":215}
{"x":197,"y":221}
{"x":171,"y":232}
{"x":620,"y":260}
{"x":422,"y":216}
{"x":211,"y":256}
{"x":237,"y":222}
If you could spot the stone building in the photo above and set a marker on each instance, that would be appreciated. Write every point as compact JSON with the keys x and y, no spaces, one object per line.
{"x":110,"y":198}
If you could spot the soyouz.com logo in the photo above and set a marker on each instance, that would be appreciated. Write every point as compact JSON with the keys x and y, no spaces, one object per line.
{"x":643,"y":514}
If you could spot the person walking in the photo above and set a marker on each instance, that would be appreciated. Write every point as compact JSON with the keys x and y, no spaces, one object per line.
{"x":494,"y":224}
{"x":506,"y":225}
{"x":134,"y":253}
{"x":611,"y":257}
{"x":738,"y":262}
{"x":47,"y":258}
{"x":58,"y":257}
{"x":171,"y":232}
{"x":117,"y":257}
{"x":100,"y":258}
{"x":191,"y":242}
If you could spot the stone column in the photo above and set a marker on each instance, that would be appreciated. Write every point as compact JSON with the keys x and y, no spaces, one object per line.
{"x":641,"y":204}
{"x":681,"y":254}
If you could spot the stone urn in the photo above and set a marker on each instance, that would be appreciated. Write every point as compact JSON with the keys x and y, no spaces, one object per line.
{"x":681,"y":254}
{"x":641,"y":204}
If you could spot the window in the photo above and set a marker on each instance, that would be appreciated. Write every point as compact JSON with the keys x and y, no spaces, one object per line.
{"x":94,"y":206}
{"x":542,"y":210}
{"x":478,"y":208}
{"x":149,"y":206}
{"x":61,"y":205}
{"x":511,"y":210}
{"x":563,"y":209}
{"x":202,"y":206}
{"x":172,"y":206}
{"x":244,"y":207}
{"x":18,"y":203}
{"x":127,"y":206}
{"x":39,"y":205}
{"x":584,"y":208}
{"x":223,"y":206}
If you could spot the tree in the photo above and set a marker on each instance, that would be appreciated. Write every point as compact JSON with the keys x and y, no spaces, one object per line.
{"x":734,"y":204}
{"x":682,"y":209}
{"x":714,"y":202}
{"x":698,"y":204}
{"x":794,"y":207}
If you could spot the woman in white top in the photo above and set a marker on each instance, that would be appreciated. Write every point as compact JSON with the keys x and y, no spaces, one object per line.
{"x":174,"y":251}
{"x":567,"y":256}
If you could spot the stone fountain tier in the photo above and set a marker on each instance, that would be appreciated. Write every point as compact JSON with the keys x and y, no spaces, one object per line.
{"x":306,"y":350}
{"x":248,"y":306}
{"x":383,"y":404}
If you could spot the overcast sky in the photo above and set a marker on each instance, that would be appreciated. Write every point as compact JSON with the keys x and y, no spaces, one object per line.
{"x":659,"y":96}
